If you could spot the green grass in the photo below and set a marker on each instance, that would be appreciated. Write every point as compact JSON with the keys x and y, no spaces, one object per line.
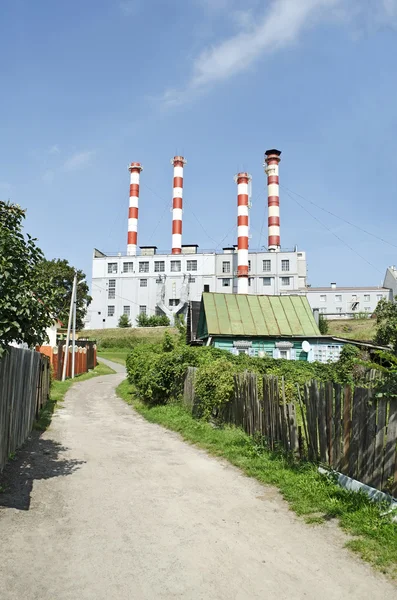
{"x":117,"y":355}
{"x":308,"y":493}
{"x":58,"y":391}
{"x":125,"y":337}
{"x":353,"y":329}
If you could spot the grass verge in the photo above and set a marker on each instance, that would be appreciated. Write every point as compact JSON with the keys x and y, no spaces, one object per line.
{"x":309,"y":494}
{"x":117,"y":355}
{"x":58,"y":391}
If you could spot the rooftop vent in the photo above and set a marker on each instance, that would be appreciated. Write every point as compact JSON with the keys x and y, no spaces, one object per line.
{"x":189,"y":248}
{"x":148,"y":250}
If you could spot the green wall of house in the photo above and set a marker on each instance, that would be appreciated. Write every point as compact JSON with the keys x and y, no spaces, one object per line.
{"x":268,"y":345}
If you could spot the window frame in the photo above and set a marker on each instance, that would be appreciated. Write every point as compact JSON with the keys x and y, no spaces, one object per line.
{"x":128,"y":270}
{"x":111,"y":310}
{"x":226,"y":263}
{"x":285,"y":263}
{"x":143,"y":266}
{"x":193,"y":265}
{"x":112,"y":268}
{"x":159,"y":263}
{"x":143,"y":283}
{"x":174,"y":263}
{"x":283,"y":283}
{"x":268,"y":263}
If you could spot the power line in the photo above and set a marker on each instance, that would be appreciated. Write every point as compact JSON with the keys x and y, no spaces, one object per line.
{"x":333,"y":233}
{"x":338,"y":217}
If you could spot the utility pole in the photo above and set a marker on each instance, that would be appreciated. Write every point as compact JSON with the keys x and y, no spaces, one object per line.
{"x":74,"y":330}
{"x":65,"y":361}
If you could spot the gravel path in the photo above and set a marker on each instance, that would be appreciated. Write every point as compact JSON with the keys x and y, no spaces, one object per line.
{"x":109,"y":506}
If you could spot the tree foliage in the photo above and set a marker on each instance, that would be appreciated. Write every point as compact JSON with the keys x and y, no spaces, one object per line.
{"x":323,"y":325}
{"x":386,"y":323}
{"x":144,"y":320}
{"x":60,"y":274}
{"x":124,"y":321}
{"x":26,"y":299}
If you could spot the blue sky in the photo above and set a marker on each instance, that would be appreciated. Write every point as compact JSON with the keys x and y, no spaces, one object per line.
{"x":88,"y":87}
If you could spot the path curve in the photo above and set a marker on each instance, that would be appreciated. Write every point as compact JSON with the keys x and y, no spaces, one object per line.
{"x":121,"y":508}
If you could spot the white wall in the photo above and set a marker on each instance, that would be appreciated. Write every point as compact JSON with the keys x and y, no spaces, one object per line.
{"x":342,"y":303}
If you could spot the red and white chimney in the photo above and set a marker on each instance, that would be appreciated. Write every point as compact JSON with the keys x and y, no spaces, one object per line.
{"x":135,"y":169}
{"x":272,"y":159}
{"x":178,"y":162}
{"x":242,"y":180}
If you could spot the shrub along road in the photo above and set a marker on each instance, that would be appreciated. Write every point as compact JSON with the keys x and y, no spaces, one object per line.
{"x":121,"y":508}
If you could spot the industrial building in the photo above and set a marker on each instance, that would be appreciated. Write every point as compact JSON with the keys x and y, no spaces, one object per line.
{"x":144,"y":280}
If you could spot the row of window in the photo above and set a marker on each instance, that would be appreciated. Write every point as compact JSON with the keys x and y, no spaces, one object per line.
{"x":285,"y":281}
{"x":126,"y":310}
{"x":354,"y":298}
{"x":338,"y":309}
{"x":191,"y":265}
{"x":159,"y":266}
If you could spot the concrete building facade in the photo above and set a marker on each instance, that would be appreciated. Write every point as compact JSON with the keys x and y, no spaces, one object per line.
{"x":346,"y":302}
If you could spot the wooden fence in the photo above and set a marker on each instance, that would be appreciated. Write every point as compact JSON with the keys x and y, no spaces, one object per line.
{"x":354,"y":433}
{"x":25,"y":378}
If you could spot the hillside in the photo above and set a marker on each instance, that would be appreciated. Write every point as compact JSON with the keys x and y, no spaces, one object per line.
{"x":354,"y":329}
{"x":125,"y":337}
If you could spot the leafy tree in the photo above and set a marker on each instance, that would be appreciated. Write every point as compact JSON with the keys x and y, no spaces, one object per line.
{"x":60,"y":274}
{"x":26,"y":299}
{"x":386,"y":323}
{"x":124,"y":321}
{"x":323,"y":325}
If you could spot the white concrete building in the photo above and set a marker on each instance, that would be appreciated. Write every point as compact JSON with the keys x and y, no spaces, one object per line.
{"x":346,"y":302}
{"x":164,"y":283}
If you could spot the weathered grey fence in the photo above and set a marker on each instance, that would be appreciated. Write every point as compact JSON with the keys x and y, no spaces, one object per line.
{"x":25,"y":378}
{"x":354,"y":433}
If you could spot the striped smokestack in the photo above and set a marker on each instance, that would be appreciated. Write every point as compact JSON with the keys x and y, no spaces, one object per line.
{"x":178,"y":162}
{"x":135,"y":169}
{"x":272,"y":159}
{"x":242,"y":180}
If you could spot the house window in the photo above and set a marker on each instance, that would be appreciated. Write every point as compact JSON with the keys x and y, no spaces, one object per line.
{"x":284,"y":354}
{"x":267,"y":265}
{"x":267,"y":281}
{"x":379,"y":297}
{"x":338,"y":297}
{"x":128,"y":267}
{"x":226,"y":282}
{"x":142,"y":309}
{"x":323,"y":298}
{"x":173,"y":301}
{"x":367,"y":298}
{"x":110,"y":311}
{"x":285,"y":265}
{"x":206,"y":288}
{"x":159,"y":266}
{"x":112,"y":268}
{"x":339,"y":309}
{"x":127,"y":310}
{"x":144,"y":267}
{"x":285,"y":280}
{"x":112,"y":289}
{"x":175,"y":266}
{"x":226,"y":267}
{"x":191,"y":265}
{"x":143,"y":283}
{"x":249,"y":266}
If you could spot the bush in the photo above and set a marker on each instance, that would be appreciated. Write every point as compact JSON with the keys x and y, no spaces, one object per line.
{"x":143,"y":320}
{"x":323,"y":325}
{"x":124,"y":321}
{"x":214,"y":386}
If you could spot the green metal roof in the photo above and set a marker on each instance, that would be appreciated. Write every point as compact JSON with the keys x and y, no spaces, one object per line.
{"x":249,"y":315}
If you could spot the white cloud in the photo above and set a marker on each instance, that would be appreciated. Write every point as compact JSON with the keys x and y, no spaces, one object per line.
{"x":78,"y":161}
{"x":281,"y":25}
{"x":54,"y":149}
{"x":128,"y":7}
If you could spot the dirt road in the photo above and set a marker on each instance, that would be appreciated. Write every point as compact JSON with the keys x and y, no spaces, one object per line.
{"x":109,"y":506}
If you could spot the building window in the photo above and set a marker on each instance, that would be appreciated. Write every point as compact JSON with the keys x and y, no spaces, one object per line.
{"x":127,"y":310}
{"x":112,"y":289}
{"x":128,"y":267}
{"x":354,"y":297}
{"x":191,"y":265}
{"x":226,"y":282}
{"x":206,"y":288}
{"x":112,"y":268}
{"x":284,"y":354}
{"x":192,"y":280}
{"x":267,"y":281}
{"x":110,"y":311}
{"x":226,"y":267}
{"x":339,"y":309}
{"x":159,"y":266}
{"x":285,"y":265}
{"x":142,"y":309}
{"x":143,"y":283}
{"x":144,"y":267}
{"x":322,"y":310}
{"x":323,"y":298}
{"x":285,"y":280}
{"x":250,"y":281}
{"x":367,"y":308}
{"x":173,"y":301}
{"x":267,"y":265}
{"x":249,"y":266}
{"x":367,"y":298}
{"x":379,"y":297}
{"x":175,"y":266}
{"x":338,"y":297}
